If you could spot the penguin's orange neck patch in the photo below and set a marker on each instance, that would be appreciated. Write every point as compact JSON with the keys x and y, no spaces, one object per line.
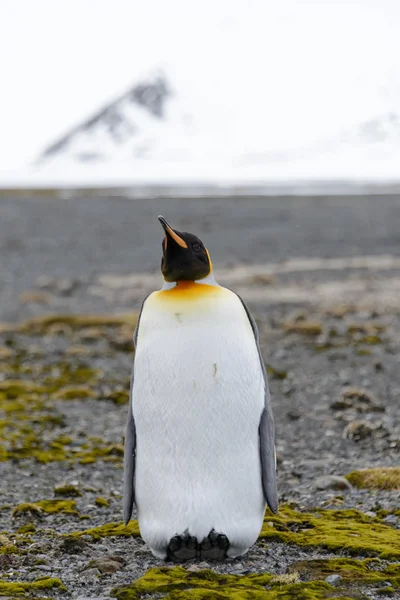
{"x":188,"y":291}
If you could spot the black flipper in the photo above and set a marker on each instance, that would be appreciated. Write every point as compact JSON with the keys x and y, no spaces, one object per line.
{"x":267,"y":433}
{"x":130,"y":444}
{"x":129,"y":461}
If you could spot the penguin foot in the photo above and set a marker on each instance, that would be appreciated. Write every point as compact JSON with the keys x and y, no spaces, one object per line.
{"x":182,"y":547}
{"x":214,"y":546}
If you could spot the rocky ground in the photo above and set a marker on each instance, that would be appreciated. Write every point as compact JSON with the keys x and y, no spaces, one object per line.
{"x":322,"y":277}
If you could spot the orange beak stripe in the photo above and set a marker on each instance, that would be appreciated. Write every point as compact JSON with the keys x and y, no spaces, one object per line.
{"x":176,"y":238}
{"x":209,"y":260}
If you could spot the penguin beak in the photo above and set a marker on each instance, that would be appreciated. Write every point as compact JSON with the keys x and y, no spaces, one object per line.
{"x":169,"y":232}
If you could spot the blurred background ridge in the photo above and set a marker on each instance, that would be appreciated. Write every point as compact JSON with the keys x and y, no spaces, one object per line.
{"x":238,"y":93}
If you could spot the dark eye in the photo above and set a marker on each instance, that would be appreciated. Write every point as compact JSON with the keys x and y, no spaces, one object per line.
{"x":196,"y":247}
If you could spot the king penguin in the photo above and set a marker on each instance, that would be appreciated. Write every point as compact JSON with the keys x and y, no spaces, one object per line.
{"x":200,"y":460}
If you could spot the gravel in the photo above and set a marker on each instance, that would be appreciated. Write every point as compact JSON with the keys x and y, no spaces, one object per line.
{"x":64,"y":248}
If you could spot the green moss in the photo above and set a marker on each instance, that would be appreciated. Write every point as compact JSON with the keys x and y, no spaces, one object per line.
{"x":74,"y":392}
{"x":8,"y":327}
{"x":110,"y":453}
{"x":46,"y":506}
{"x":28,"y":528}
{"x":101,"y":502}
{"x":16,"y":589}
{"x":310,"y":328}
{"x":348,"y":530}
{"x":385,"y":591}
{"x":65,"y":375}
{"x":118,"y":397}
{"x":370,"y":340}
{"x":7,"y":550}
{"x":89,"y":454}
{"x":110,"y":530}
{"x":28,"y":414}
{"x":276,"y":373}
{"x":382,"y":513}
{"x":178,"y":584}
{"x":367,"y":328}
{"x":286,"y":578}
{"x":13,"y":388}
{"x":67,"y":489}
{"x":379,"y":478}
{"x":368,"y":571}
{"x":75,"y":322}
{"x":26,"y":431}
{"x":364,"y":352}
{"x":7,"y":546}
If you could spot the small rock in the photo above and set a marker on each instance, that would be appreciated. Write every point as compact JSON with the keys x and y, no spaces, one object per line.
{"x":121,"y":342}
{"x":5,"y":353}
{"x":361,"y":430}
{"x":90,"y":334}
{"x":333,"y":579}
{"x":44,"y":281}
{"x":118,"y":558}
{"x":330,"y":433}
{"x":391,"y":520}
{"x":59,"y":329}
{"x":293,"y":415}
{"x":90,"y":575}
{"x":261,"y":279}
{"x":66,"y":286}
{"x":371,"y":513}
{"x":311,"y":328}
{"x":344,"y":376}
{"x":296,"y":316}
{"x":359,"y":399}
{"x":94,"y":598}
{"x":4,"y":541}
{"x":104,"y":565}
{"x":35,"y":351}
{"x":34,"y":297}
{"x":42,"y":547}
{"x":73,"y":545}
{"x":332,"y":482}
{"x":77,"y":350}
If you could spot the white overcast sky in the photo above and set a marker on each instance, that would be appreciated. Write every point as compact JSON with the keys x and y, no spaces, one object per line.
{"x":61,"y":60}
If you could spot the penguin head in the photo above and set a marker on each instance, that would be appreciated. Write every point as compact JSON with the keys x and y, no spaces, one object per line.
{"x":185,"y":257}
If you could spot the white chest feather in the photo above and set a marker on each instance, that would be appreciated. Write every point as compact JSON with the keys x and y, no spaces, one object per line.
{"x":197,"y":399}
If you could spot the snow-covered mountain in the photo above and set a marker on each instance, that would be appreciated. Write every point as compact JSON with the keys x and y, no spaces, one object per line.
{"x":233,"y":91}
{"x":131,"y":127}
{"x":151,"y":125}
{"x":245,"y":92}
{"x":150,"y":122}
